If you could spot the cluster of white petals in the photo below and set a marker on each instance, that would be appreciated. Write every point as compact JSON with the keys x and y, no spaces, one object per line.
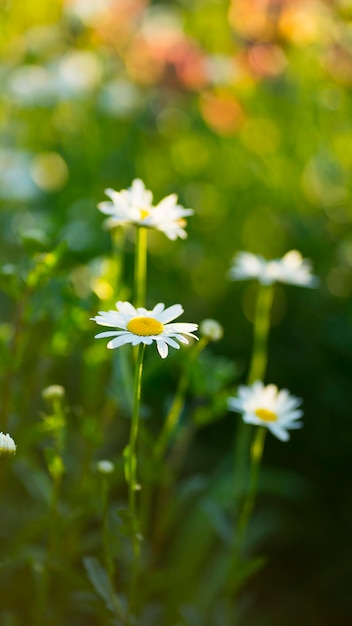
{"x":135,"y":206}
{"x":267,"y":406}
{"x":138,"y":325}
{"x":291,"y":269}
{"x":7,"y":445}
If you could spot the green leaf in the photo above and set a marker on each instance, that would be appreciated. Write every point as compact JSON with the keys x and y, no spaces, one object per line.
{"x":102,"y":586}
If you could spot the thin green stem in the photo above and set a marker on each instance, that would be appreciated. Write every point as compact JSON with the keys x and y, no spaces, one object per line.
{"x":132,"y":457}
{"x":118,"y":239}
{"x":131,"y":474}
{"x":140,"y":267}
{"x":175,"y":410}
{"x":256,"y":372}
{"x":245,"y":475}
{"x":235,"y":576}
{"x":179,"y":442}
{"x":256,"y":454}
{"x":261,"y":334}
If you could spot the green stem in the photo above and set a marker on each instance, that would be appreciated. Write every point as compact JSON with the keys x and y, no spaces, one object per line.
{"x":132,"y":458}
{"x":179,"y":445}
{"x":261,"y":334}
{"x":118,"y":238}
{"x":131,"y":473}
{"x":140,"y":267}
{"x":256,"y":454}
{"x":256,"y":372}
{"x":175,"y":410}
{"x":243,"y":450}
{"x":234,"y":577}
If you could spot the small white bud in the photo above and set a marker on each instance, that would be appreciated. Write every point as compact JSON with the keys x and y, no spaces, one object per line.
{"x":211,"y":329}
{"x":7,"y":445}
{"x":105,"y":467}
{"x":53,"y":392}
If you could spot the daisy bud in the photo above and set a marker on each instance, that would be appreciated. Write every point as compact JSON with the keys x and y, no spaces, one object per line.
{"x":211,"y":329}
{"x":53,"y":392}
{"x":7,"y":445}
{"x":105,"y":467}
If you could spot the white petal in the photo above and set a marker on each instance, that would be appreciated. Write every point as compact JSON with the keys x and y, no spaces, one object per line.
{"x":137,"y":339}
{"x":106,"y":207}
{"x":294,"y":425}
{"x":167,"y":203}
{"x":147,"y":340}
{"x":112,"y":194}
{"x":250,"y":418}
{"x":139,"y":195}
{"x":182,"y":339}
{"x":171,"y":342}
{"x":269,"y":394}
{"x":143,"y":312}
{"x":181,"y":327}
{"x":158,"y":309}
{"x":114,"y":222}
{"x":110,"y":318}
{"x":120,"y":341}
{"x":162,"y":348}
{"x":257,"y":386}
{"x":110,"y":333}
{"x":192,"y":335}
{"x":234,"y":404}
{"x":279,"y":432}
{"x":171,"y":313}
{"x":126,"y":308}
{"x":290,"y":416}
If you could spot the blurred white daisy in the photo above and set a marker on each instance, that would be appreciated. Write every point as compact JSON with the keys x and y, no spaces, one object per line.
{"x":7,"y":445}
{"x":138,"y":325}
{"x":135,"y":206}
{"x":291,"y":269}
{"x":269,"y":407}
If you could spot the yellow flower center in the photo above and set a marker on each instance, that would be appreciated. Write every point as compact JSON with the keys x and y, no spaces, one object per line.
{"x":145,"y":326}
{"x":266,"y":415}
{"x":144,"y":213}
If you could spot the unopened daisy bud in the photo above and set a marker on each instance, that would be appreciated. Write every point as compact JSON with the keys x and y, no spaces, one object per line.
{"x":105,"y":467}
{"x":7,"y":445}
{"x":53,"y":392}
{"x":211,"y":329}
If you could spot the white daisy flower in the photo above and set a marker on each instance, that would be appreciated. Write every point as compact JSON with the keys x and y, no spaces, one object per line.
{"x":291,"y":269}
{"x":269,"y":407}
{"x":138,"y":325}
{"x":135,"y":206}
{"x":7,"y":445}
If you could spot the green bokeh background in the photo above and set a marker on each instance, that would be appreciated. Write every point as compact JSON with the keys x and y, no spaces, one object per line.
{"x":244,"y":111}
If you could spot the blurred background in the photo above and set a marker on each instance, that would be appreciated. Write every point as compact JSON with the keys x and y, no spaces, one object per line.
{"x":243,"y":109}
